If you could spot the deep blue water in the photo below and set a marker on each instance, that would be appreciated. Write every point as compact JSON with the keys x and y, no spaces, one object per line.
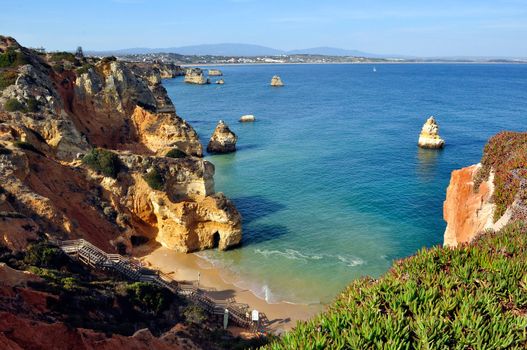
{"x":329,"y":180}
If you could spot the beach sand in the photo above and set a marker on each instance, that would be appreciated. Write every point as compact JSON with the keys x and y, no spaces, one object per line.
{"x":185,"y":267}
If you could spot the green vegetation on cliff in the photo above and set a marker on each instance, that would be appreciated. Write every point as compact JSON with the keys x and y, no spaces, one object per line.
{"x":154,"y":179}
{"x":103,"y":161}
{"x":472,"y":297}
{"x":506,"y":154}
{"x":13,"y":58}
{"x":7,"y":78}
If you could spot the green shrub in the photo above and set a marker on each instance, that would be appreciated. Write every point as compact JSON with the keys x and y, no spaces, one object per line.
{"x":194,"y":314}
{"x":70,"y":284}
{"x":45,"y":255}
{"x":13,"y":58}
{"x":472,"y":297}
{"x":175,"y":153}
{"x":63,"y":56}
{"x":13,"y":105}
{"x":154,"y":179}
{"x":103,"y":162}
{"x":7,"y":78}
{"x":27,"y":146}
{"x":149,"y":297}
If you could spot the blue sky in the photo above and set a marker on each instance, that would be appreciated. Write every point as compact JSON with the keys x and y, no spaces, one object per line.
{"x":410,"y":27}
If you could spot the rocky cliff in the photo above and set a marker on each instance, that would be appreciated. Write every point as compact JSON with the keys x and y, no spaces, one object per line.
{"x":488,"y":195}
{"x":83,"y":153}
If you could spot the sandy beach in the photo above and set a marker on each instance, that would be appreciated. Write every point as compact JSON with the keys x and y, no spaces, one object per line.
{"x":185,"y":267}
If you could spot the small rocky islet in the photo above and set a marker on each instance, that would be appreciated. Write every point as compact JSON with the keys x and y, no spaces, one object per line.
{"x":429,"y":136}
{"x":223,"y":140}
{"x":276,"y":81}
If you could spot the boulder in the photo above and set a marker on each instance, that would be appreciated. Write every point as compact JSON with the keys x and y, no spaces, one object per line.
{"x":429,"y":137}
{"x":276,"y":81}
{"x":223,"y":140}
{"x":247,"y":118}
{"x":215,"y":73}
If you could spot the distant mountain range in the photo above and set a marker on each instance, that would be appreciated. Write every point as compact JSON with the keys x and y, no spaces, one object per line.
{"x":231,"y":49}
{"x":247,"y":50}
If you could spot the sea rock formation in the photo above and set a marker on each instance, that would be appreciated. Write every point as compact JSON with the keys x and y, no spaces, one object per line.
{"x":276,"y":81}
{"x":223,"y":140}
{"x":59,"y":109}
{"x":215,"y":73}
{"x":196,"y":76}
{"x":247,"y":118}
{"x":220,"y":82}
{"x":429,"y":137}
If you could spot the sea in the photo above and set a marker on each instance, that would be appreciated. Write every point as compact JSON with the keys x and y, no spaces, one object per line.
{"x":329,"y":179}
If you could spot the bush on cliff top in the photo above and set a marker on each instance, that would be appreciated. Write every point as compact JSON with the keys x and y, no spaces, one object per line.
{"x":103,"y":162}
{"x":13,"y":58}
{"x":506,"y":154}
{"x":62,"y":56}
{"x":472,"y":297}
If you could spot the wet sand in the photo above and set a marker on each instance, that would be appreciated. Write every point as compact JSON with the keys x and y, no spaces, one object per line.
{"x":185,"y":267}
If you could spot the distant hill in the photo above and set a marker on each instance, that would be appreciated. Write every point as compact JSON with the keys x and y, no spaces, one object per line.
{"x":235,"y":49}
{"x":332,"y":51}
{"x":228,"y":49}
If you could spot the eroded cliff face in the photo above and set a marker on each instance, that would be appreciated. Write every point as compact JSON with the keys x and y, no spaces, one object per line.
{"x":59,"y":108}
{"x":467,"y":211}
{"x":488,"y":195}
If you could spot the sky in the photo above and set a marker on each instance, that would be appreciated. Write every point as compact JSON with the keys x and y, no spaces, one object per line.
{"x":405,"y":27}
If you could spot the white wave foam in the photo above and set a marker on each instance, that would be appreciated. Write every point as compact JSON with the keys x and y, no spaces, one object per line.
{"x":293,"y":254}
{"x":290,"y":254}
{"x":350,"y":261}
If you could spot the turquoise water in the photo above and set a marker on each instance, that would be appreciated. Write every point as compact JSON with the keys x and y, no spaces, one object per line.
{"x":329,"y":180}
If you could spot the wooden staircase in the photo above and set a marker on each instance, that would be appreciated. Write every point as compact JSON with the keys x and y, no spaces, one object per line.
{"x":90,"y":255}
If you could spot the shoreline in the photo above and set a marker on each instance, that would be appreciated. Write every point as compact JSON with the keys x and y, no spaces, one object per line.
{"x":282,"y":316}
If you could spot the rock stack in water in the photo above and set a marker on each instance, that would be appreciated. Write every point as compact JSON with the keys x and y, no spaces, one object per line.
{"x":196,"y":76}
{"x":215,"y":73}
{"x":429,"y":137}
{"x":276,"y":81}
{"x":223,"y":140}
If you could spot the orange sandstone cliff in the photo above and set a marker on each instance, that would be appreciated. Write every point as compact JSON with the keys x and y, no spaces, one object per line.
{"x":488,"y":195}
